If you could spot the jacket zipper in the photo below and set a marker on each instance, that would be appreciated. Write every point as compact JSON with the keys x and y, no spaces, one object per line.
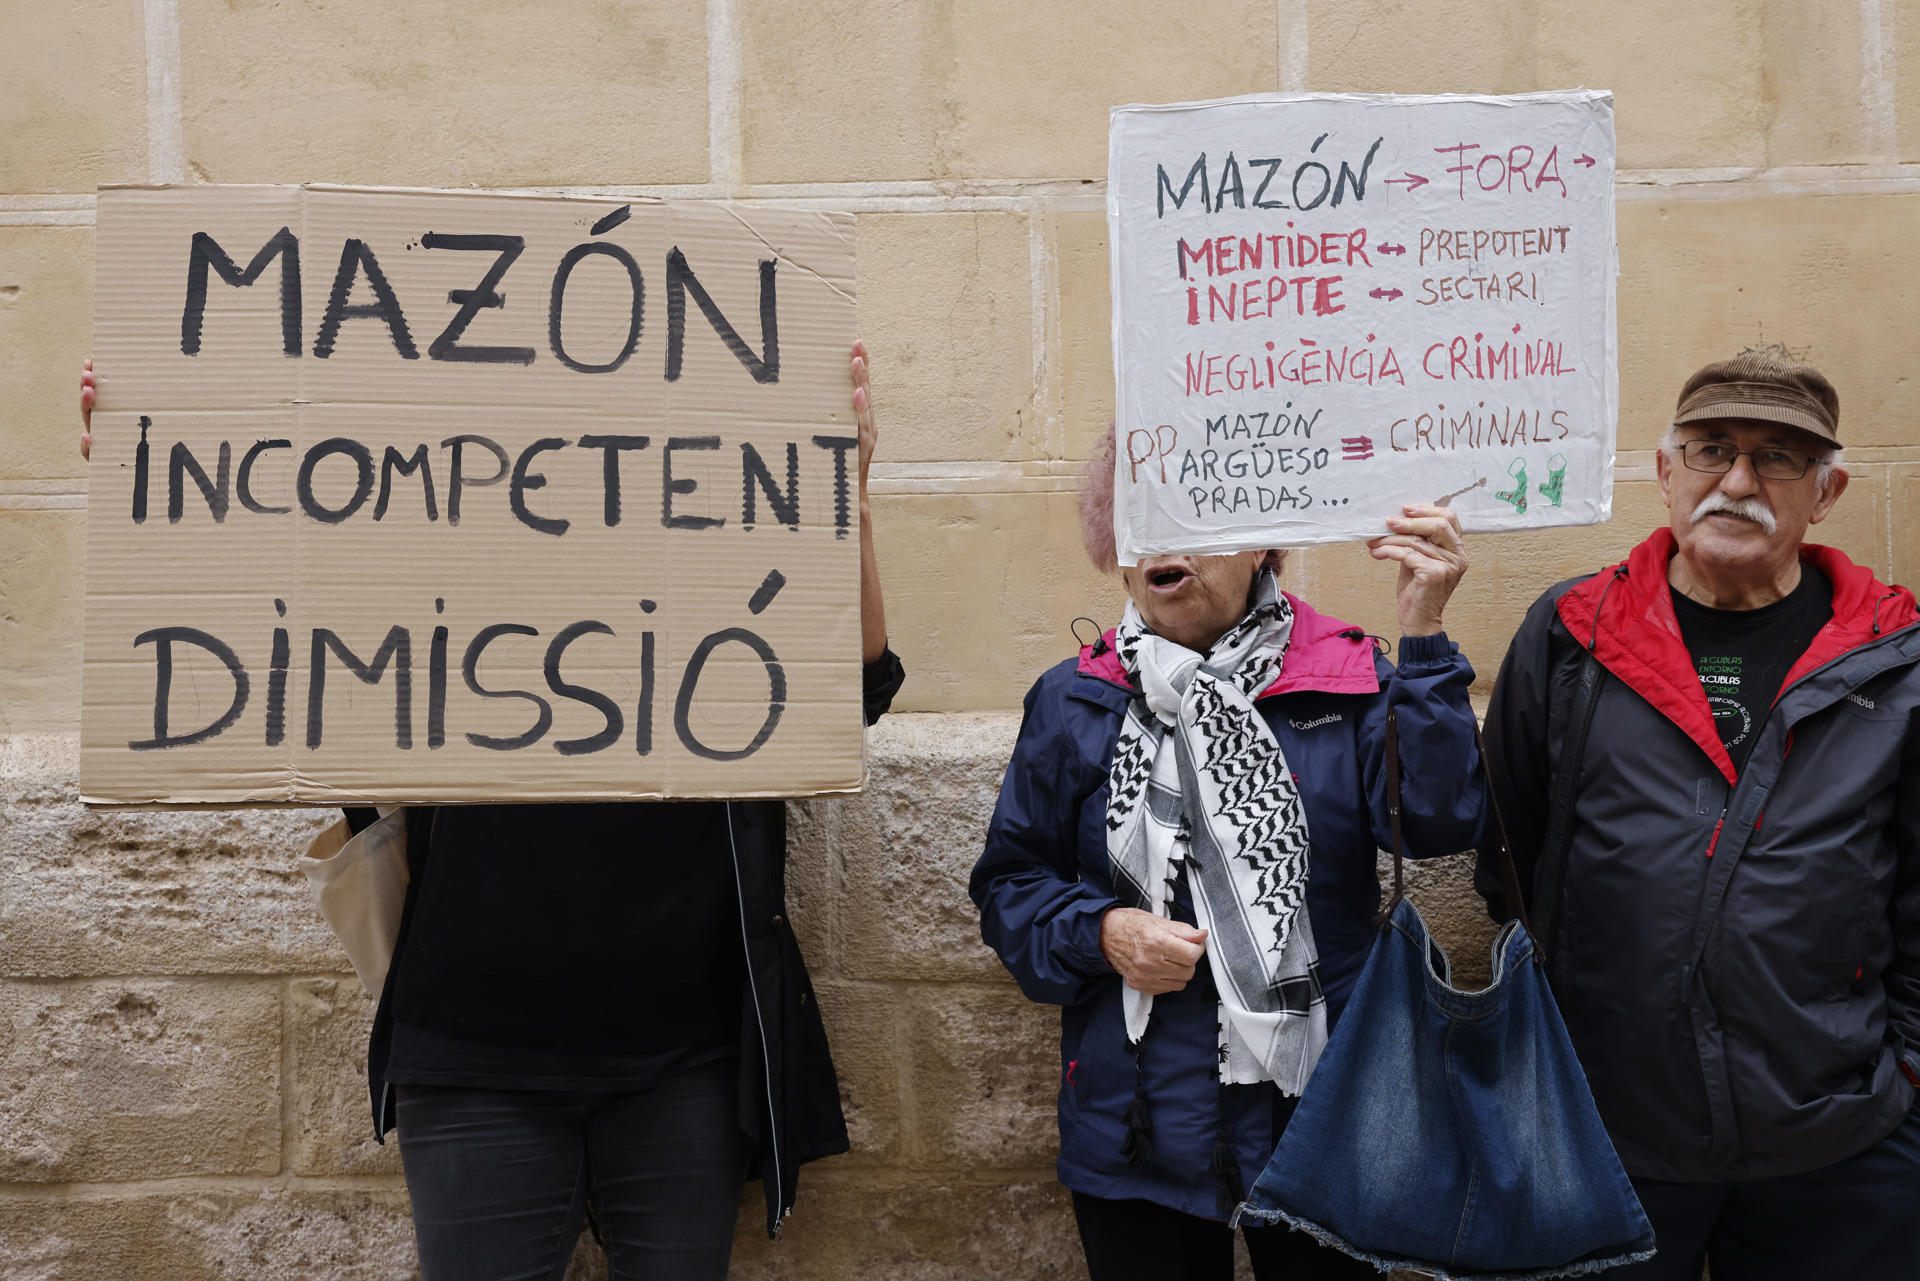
{"x":1875,"y":643}
{"x":1719,"y":823}
{"x":766,"y":1061}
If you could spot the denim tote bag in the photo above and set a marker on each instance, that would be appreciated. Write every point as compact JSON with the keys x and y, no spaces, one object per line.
{"x":1451,"y":1131}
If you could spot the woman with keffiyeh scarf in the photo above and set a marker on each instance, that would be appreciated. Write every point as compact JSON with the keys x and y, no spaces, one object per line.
{"x":1182,"y":857}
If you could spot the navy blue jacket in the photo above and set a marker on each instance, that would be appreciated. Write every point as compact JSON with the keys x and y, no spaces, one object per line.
{"x":1042,"y":884}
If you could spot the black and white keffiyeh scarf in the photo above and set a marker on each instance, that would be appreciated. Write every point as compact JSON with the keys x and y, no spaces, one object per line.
{"x":1199,"y":781}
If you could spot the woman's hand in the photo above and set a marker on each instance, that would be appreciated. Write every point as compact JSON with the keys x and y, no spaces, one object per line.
{"x":86,"y":408}
{"x":863,"y":414}
{"x":1152,"y":954}
{"x":1426,"y":541}
{"x":873,"y":608}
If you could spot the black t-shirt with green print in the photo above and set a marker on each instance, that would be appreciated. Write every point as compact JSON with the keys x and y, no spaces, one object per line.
{"x":1743,"y":655}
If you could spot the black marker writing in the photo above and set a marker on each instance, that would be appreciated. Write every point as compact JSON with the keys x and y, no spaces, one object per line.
{"x":207,"y":253}
{"x":470,"y":301}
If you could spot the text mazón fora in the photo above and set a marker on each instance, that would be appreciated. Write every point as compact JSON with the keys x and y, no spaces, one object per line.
{"x":1309,"y":183}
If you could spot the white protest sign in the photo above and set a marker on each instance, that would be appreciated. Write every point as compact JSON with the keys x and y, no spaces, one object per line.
{"x":1328,"y":305}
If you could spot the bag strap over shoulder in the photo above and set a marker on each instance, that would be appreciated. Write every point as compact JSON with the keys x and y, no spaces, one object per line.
{"x":1393,"y":823}
{"x":1509,"y":873}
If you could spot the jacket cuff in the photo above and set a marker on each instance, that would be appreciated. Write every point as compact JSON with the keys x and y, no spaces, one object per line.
{"x":1432,"y":651}
{"x":1910,"y":1066}
{"x":1083,"y":954}
{"x":880,"y":680}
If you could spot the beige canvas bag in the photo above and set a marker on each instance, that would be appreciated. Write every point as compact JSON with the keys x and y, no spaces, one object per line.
{"x":359,"y":883}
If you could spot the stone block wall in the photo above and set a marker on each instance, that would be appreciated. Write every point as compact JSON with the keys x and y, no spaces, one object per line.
{"x":180,"y":1040}
{"x":183,"y":1046}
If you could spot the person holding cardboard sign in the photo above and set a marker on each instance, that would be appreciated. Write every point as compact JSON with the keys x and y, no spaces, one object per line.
{"x":1191,"y":814}
{"x":601,"y":1009}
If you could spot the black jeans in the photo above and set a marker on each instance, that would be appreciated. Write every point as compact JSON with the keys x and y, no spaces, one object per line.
{"x":1125,"y":1240}
{"x":501,"y":1179}
{"x":1858,"y":1219}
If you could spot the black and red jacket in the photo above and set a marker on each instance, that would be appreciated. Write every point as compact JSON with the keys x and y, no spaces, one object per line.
{"x":1738,"y":955}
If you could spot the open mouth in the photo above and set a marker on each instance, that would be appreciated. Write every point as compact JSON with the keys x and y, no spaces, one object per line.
{"x":1168,"y":578}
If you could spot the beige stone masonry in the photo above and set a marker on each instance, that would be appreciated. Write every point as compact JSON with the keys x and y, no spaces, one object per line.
{"x":918,"y":831}
{"x":198,"y":1229}
{"x":73,"y":95}
{"x":866,"y":1036}
{"x":42,"y":561}
{"x":179,"y":892}
{"x":948,"y":299}
{"x":325,"y":1039}
{"x":46,"y":315}
{"x":1085,"y":343}
{"x":1831,"y":276}
{"x":917,"y":1229}
{"x":1901,"y":103}
{"x":985,"y":1066}
{"x":971,"y":89}
{"x":438,"y":94}
{"x":1745,"y":83}
{"x":1903,"y":495}
{"x":138,"y":1078}
{"x":1414,"y":46}
{"x":985,"y":587}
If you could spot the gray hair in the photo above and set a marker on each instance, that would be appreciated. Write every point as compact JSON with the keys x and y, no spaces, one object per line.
{"x":1827,"y":458}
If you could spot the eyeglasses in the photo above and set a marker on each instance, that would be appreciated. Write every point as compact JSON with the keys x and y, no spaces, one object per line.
{"x":1770,"y":462}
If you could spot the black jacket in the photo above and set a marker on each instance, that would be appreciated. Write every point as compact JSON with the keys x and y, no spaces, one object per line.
{"x":1738,"y":955}
{"x":789,"y":1095}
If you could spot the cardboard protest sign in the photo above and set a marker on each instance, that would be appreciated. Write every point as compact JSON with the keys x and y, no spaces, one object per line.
{"x":458,"y":496}
{"x":1328,"y":305}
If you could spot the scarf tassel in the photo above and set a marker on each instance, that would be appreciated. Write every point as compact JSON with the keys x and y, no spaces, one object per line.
{"x":1137,"y":1147}
{"x":1229,"y":1191}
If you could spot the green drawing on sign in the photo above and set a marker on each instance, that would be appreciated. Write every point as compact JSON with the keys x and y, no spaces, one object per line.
{"x":1518,"y":494}
{"x":1555,"y":488}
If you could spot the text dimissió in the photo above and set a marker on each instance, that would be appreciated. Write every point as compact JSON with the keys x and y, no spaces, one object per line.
{"x":394,"y":654}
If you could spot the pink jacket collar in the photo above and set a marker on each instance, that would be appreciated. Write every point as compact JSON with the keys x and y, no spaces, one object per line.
{"x":1324,"y":655}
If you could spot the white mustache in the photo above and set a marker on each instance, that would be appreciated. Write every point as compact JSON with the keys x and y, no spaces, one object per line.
{"x":1746,"y":508}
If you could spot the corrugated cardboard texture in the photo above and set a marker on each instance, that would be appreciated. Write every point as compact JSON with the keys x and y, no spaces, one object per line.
{"x":493,"y":497}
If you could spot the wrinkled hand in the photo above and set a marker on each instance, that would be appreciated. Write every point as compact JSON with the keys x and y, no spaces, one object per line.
{"x":1426,"y":540}
{"x":86,"y":408}
{"x":1152,"y":954}
{"x":863,"y":413}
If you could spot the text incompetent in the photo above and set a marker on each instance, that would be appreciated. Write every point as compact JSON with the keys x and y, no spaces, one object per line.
{"x":1329,"y":305}
{"x":423,"y":496}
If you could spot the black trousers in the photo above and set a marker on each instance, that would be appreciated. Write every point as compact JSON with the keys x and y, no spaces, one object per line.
{"x":1125,"y":1240}
{"x":501,"y":1179}
{"x":1857,"y":1220}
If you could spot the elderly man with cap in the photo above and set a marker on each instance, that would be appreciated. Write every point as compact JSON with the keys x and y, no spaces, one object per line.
{"x":1708,"y":759}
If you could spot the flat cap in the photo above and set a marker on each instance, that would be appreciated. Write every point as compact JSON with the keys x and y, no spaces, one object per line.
{"x":1767,"y":384}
